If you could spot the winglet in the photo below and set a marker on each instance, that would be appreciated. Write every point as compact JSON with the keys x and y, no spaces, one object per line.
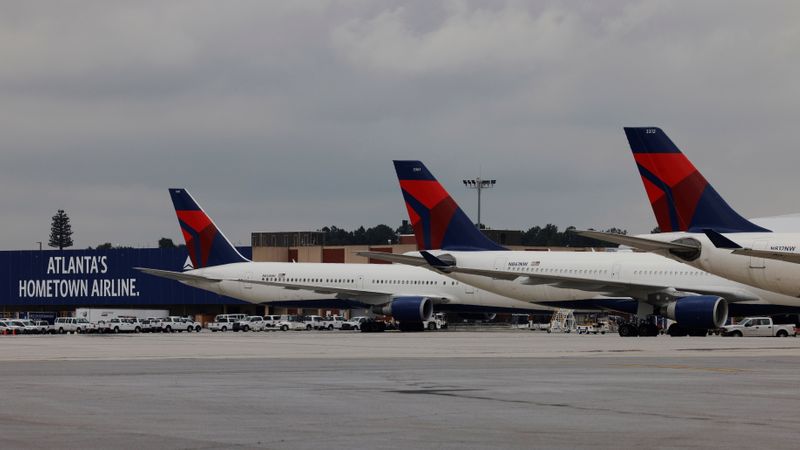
{"x":681,"y":198}
{"x":719,"y":240}
{"x":438,"y":221}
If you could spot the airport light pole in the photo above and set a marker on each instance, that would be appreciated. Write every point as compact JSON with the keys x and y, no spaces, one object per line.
{"x":479,"y":184}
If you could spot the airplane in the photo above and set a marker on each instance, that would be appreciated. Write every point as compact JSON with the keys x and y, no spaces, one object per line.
{"x":408,"y":294}
{"x":450,"y":243}
{"x":700,"y":228}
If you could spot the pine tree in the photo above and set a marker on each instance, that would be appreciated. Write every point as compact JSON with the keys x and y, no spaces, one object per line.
{"x":60,"y":231}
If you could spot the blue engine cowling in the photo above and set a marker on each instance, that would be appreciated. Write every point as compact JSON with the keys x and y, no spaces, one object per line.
{"x":409,"y":309}
{"x":700,"y":311}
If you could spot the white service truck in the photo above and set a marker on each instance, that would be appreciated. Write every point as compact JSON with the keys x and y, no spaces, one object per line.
{"x":250,"y":323}
{"x":758,"y":326}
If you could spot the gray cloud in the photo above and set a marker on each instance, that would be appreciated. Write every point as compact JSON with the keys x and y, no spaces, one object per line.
{"x":286,"y":115}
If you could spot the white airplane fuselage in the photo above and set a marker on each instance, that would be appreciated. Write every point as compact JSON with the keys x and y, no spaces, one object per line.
{"x":389,"y":280}
{"x":636,"y":269}
{"x":768,"y":274}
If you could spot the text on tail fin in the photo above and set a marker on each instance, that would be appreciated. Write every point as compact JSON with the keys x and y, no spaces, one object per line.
{"x":681,"y":198}
{"x":207,"y":246}
{"x":437,"y":220}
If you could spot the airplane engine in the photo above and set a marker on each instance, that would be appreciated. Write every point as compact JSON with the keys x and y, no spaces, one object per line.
{"x":408,"y":309}
{"x":701,"y":311}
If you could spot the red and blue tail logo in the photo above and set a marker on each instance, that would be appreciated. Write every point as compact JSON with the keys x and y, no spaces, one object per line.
{"x":206,"y":245}
{"x":681,"y":198}
{"x":437,"y":220}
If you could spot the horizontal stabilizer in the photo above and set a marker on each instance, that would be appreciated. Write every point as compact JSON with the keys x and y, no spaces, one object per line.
{"x":180,"y":276}
{"x":391,"y":257}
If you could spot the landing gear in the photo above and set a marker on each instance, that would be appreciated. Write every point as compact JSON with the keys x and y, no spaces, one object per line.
{"x":628,"y":330}
{"x":648,"y":329}
{"x":645,"y":328}
{"x":373,"y":326}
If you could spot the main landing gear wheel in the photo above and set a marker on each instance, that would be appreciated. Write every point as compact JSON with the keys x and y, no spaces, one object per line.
{"x":628,"y":330}
{"x":648,"y":329}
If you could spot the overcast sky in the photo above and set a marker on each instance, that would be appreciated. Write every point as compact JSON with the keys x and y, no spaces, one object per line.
{"x":286,"y":115}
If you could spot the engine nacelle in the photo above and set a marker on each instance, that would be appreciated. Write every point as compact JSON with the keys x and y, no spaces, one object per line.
{"x":701,"y":311}
{"x":408,"y":309}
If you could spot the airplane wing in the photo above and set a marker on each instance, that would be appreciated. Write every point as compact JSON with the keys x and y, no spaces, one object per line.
{"x":380,"y":296}
{"x":789,"y":257}
{"x":179,"y":276}
{"x":645,"y":244}
{"x":608,"y":287}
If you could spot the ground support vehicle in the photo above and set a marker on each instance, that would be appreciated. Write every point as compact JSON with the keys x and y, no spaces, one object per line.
{"x":172,"y":324}
{"x":355,"y":323}
{"x":335,"y":322}
{"x":250,"y":323}
{"x":291,"y":323}
{"x":596,"y":328}
{"x":758,"y":326}
{"x":222,"y":323}
{"x":192,"y":325}
{"x":315,"y":322}
{"x":8,"y":326}
{"x":437,"y":322}
{"x":29,"y":327}
{"x":72,"y":325}
{"x":120,"y":325}
{"x":44,"y":326}
{"x":271,"y":321}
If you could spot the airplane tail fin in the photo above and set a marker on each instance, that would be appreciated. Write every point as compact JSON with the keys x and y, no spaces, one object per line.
{"x":437,"y":220}
{"x":680,"y":196}
{"x":206,"y":244}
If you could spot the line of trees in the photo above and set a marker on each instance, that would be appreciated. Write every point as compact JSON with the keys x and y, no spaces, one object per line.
{"x":547,"y":236}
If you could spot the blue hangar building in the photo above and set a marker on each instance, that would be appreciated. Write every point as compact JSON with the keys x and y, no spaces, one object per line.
{"x":60,"y":281}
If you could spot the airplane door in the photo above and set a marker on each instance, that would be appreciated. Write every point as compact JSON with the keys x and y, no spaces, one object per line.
{"x":360,"y":284}
{"x":758,"y":263}
{"x":247,"y":288}
{"x":500,"y":263}
{"x":615,"y":271}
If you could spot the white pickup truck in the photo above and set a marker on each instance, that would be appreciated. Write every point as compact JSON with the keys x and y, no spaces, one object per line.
{"x":758,"y":326}
{"x":250,"y":323}
{"x":120,"y":325}
{"x":291,"y":323}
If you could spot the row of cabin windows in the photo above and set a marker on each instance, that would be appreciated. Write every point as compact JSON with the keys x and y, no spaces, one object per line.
{"x":669,"y":272}
{"x":570,"y":271}
{"x":347,"y":280}
{"x":308,"y":280}
{"x":417,"y":282}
